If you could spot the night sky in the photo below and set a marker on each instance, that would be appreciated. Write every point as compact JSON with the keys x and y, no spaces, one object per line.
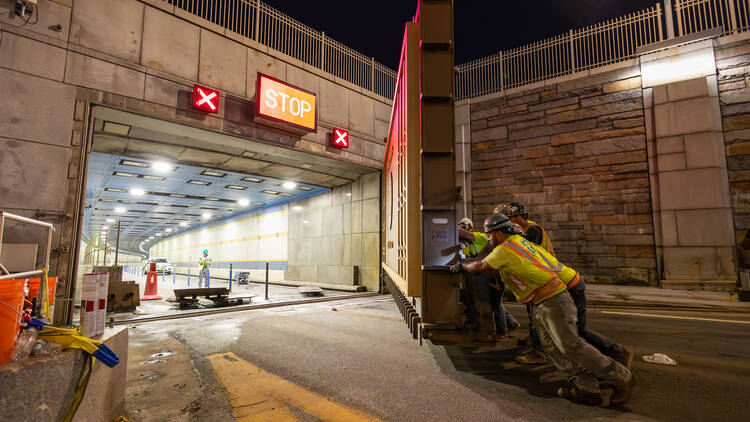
{"x":482,"y":27}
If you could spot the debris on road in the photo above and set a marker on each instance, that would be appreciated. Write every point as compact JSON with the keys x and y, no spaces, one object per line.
{"x":659,"y":358}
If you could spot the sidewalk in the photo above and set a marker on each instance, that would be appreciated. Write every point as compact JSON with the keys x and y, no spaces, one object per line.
{"x":653,"y":297}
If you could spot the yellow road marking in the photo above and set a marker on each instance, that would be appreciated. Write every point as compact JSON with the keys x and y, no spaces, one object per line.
{"x":677,"y":317}
{"x":258,"y":395}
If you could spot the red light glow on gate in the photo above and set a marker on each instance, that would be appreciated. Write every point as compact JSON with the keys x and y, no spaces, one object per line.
{"x":205,"y":99}
{"x":340,"y":138}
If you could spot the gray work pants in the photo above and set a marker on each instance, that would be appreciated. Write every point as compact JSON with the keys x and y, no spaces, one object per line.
{"x":203,"y":276}
{"x":555,"y":322}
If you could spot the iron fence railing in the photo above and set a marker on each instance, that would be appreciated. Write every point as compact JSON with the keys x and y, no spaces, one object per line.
{"x":580,"y":49}
{"x":260,"y":22}
{"x":699,"y":15}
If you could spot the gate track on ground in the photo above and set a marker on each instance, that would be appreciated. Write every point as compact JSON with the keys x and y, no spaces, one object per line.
{"x":240,"y":308}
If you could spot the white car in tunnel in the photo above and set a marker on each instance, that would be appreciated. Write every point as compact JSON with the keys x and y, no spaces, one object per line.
{"x":162,"y":265}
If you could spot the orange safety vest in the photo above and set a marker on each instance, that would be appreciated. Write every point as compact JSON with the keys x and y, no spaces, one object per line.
{"x":546,"y":243}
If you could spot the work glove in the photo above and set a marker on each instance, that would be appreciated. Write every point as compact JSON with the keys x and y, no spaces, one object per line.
{"x":457,"y":267}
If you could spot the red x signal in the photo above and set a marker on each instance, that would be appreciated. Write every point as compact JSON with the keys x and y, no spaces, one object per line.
{"x":205,"y":99}
{"x":340,"y":138}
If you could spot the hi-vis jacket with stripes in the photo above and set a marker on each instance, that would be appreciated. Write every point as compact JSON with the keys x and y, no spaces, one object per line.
{"x":525,"y":267}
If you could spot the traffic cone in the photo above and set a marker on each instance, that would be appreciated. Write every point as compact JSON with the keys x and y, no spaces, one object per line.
{"x":152,"y":289}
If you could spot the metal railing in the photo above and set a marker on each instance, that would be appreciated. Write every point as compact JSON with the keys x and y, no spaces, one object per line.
{"x":260,"y":22}
{"x":580,"y":49}
{"x":699,"y":15}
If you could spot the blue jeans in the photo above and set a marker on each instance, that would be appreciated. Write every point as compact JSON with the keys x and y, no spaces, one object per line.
{"x":503,"y":318}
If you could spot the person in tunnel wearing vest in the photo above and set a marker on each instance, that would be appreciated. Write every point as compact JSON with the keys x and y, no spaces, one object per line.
{"x":535,"y":276}
{"x":477,"y":246}
{"x":204,"y":263}
{"x":535,"y":233}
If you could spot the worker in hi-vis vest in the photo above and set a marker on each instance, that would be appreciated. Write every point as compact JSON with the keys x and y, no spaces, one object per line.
{"x":204,"y":263}
{"x":534,"y":276}
{"x":535,"y":233}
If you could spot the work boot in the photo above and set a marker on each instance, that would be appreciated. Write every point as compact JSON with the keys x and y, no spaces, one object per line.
{"x":621,"y":392}
{"x":534,"y":357}
{"x":625,"y":357}
{"x":579,"y":396}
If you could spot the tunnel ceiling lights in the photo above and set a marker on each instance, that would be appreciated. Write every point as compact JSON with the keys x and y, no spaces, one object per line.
{"x":304,"y":188}
{"x":252,"y":179}
{"x":183,"y":224}
{"x":206,"y":215}
{"x":124,"y":174}
{"x":198,"y":182}
{"x":121,"y":209}
{"x":236,"y":187}
{"x":211,"y":199}
{"x":289,"y":185}
{"x":285,"y":194}
{"x":137,"y":192}
{"x":244,"y":202}
{"x":176,"y":195}
{"x":110,"y":220}
{"x":162,"y":167}
{"x":212,"y":173}
{"x":114,"y":190}
{"x":138,"y":176}
{"x":269,"y":192}
{"x":133,"y":163}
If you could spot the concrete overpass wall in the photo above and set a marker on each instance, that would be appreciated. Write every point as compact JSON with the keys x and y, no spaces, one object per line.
{"x":141,"y":56}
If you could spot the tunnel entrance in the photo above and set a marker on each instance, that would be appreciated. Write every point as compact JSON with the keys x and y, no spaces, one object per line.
{"x":173,"y":191}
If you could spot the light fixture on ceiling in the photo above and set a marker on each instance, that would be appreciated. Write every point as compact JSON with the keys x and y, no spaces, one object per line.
{"x":133,"y":163}
{"x":213,"y":173}
{"x":269,"y":192}
{"x":124,"y":174}
{"x":145,"y":241}
{"x":236,"y":187}
{"x":198,"y":182}
{"x":258,"y":204}
{"x":304,"y":188}
{"x":151,"y":237}
{"x":116,"y":128}
{"x":114,"y":190}
{"x":168,"y":230}
{"x":120,"y":209}
{"x":252,"y":179}
{"x":105,"y":227}
{"x":161,"y":167}
{"x":244,"y":202}
{"x":176,"y":195}
{"x":208,"y":198}
{"x":183,"y":224}
{"x":137,"y":192}
{"x":206,"y":215}
{"x":151,"y":177}
{"x":110,"y":220}
{"x":158,"y":234}
{"x":289,"y":185}
{"x":285,"y":194}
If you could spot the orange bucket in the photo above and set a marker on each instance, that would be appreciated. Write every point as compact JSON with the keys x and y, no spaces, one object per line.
{"x":34,"y":285}
{"x":11,"y":296}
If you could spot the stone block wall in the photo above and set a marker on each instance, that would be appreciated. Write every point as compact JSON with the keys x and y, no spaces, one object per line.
{"x":733,"y":66}
{"x":575,"y":153}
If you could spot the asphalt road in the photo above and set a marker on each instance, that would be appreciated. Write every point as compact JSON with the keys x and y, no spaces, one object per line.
{"x":362,"y":356}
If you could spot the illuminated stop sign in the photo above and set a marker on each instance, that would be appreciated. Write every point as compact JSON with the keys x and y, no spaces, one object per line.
{"x":205,"y":99}
{"x":340,"y":138}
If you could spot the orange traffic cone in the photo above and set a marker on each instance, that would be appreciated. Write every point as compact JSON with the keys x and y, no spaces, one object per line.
{"x":152,"y":289}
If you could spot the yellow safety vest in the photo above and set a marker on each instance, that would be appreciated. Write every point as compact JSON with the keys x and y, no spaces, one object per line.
{"x":546,"y":243}
{"x":525,"y":268}
{"x":480,"y":241}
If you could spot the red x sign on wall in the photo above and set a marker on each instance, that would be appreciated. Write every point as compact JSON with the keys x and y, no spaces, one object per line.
{"x":205,"y":99}
{"x":340,"y":138}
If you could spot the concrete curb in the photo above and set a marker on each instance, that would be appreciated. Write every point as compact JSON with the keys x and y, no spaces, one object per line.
{"x":669,"y":306}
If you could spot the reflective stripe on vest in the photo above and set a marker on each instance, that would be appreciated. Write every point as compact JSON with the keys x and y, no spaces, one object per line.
{"x":547,"y":265}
